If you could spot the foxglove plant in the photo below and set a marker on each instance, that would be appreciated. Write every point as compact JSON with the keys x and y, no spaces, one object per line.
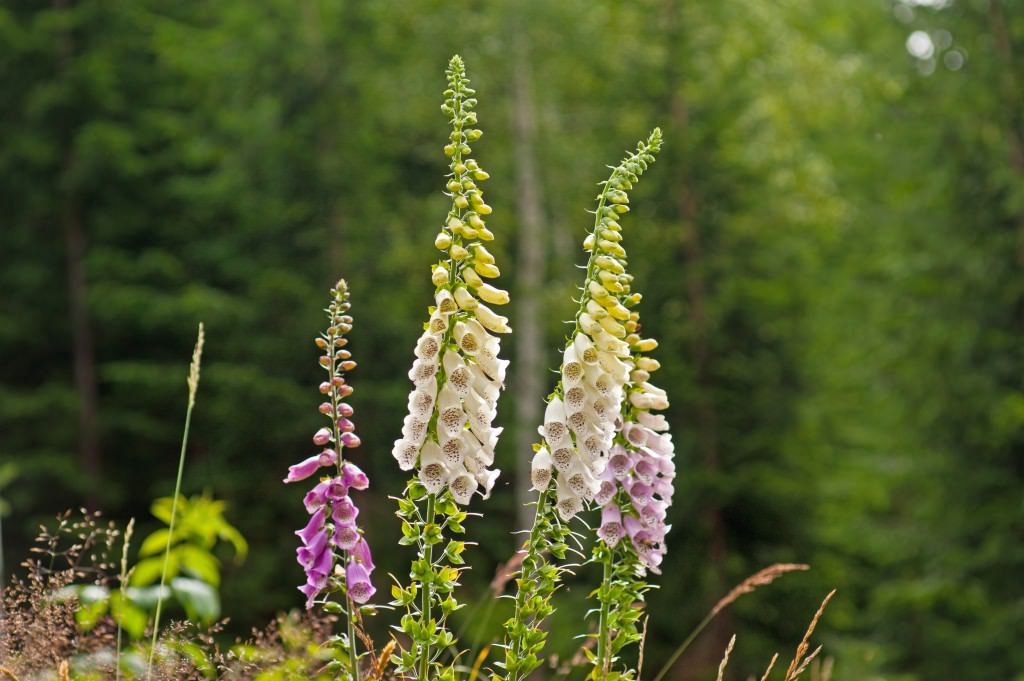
{"x":581,"y":416}
{"x":635,"y":493}
{"x":334,"y":553}
{"x":447,"y":435}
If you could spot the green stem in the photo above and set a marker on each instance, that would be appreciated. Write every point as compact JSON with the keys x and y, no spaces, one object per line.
{"x":428,"y":590}
{"x":529,"y":563}
{"x":332,"y":371}
{"x":603,"y":641}
{"x":170,"y":536}
{"x":352,"y":656}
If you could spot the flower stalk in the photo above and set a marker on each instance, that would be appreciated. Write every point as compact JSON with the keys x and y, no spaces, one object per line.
{"x":334,"y":553}
{"x":635,"y":494}
{"x":578,"y":429}
{"x":447,"y":436}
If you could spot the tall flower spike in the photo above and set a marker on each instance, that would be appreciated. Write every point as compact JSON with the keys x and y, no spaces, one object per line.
{"x":635,"y":494}
{"x":333,"y":552}
{"x":579,"y":423}
{"x":457,"y":377}
{"x":457,"y":367}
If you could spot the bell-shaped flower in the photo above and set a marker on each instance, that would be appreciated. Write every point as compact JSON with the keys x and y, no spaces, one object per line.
{"x":354,"y":477}
{"x":457,"y":375}
{"x":611,"y":530}
{"x":405,"y":453}
{"x":303,"y":469}
{"x":461,"y":486}
{"x":357,"y":581}
{"x":450,"y":416}
{"x":433,"y":471}
{"x":540,"y":470}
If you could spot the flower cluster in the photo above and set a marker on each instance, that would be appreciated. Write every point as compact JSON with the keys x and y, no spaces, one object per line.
{"x":643,"y":471}
{"x":332,"y":525}
{"x":580,"y":419}
{"x":582,"y":416}
{"x":457,"y":376}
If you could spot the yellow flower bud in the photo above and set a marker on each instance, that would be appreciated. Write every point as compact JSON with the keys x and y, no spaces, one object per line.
{"x":461,"y":202}
{"x":481,"y":254}
{"x":492,"y":295}
{"x":617,"y":311}
{"x":632,"y":339}
{"x":475,"y":221}
{"x":610,"y":235}
{"x":454,"y":185}
{"x":481,"y":175}
{"x":458,"y":252}
{"x":464,"y":299}
{"x":611,"y":248}
{"x":638,"y":376}
{"x":634,"y":299}
{"x":454,"y":223}
{"x":588,"y":243}
{"x":472,"y":164}
{"x":620,"y":208}
{"x":611,"y":225}
{"x":472,"y":278}
{"x":449,"y":150}
{"x":588,"y":324}
{"x":486,"y":270}
{"x":459,"y":168}
{"x":442,"y":241}
{"x":646,"y":345}
{"x":610,"y":264}
{"x":613,"y":327}
{"x":595,"y":310}
{"x":485,"y":234}
{"x":597,"y":291}
{"x":648,"y":364}
{"x":631,"y":326}
{"x":439,"y":276}
{"x":491,"y":321}
{"x":484,"y":209}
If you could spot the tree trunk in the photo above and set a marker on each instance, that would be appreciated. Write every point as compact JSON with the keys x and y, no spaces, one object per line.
{"x":82,"y":346}
{"x":529,"y":276}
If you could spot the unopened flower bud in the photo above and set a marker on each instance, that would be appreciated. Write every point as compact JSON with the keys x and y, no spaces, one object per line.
{"x":486,"y":270}
{"x":346,"y":426}
{"x":345,"y":391}
{"x":646,"y":345}
{"x":345,"y":410}
{"x":588,"y":243}
{"x":325,"y":408}
{"x":464,"y":299}
{"x":325,"y":388}
{"x":350,"y":440}
{"x":439,"y":277}
{"x":458,"y":253}
{"x":485,"y":234}
{"x":322,"y":437}
{"x":348,"y":365}
{"x":321,"y":343}
{"x":461,"y":202}
{"x":442,"y":241}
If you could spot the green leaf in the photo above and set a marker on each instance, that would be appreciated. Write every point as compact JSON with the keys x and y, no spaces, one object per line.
{"x":200,"y":563}
{"x":155,"y":543}
{"x":200,"y":600}
{"x":148,"y":571}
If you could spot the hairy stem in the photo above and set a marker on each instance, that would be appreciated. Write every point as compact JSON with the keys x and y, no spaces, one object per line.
{"x":428,"y":590}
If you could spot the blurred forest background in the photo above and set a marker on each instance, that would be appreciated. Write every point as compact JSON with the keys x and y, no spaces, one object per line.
{"x":831,"y":249}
